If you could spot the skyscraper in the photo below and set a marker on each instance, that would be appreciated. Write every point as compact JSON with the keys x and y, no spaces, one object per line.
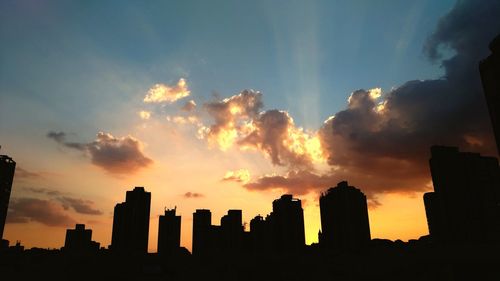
{"x":231,"y":231}
{"x":465,"y":204}
{"x":202,"y":232}
{"x":490,"y":77}
{"x":131,"y":222}
{"x":287,"y":224}
{"x":7,"y":169}
{"x":169,"y":233}
{"x":344,"y":218}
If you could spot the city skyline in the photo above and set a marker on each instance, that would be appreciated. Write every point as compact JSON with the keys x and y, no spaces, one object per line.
{"x":101,"y":104}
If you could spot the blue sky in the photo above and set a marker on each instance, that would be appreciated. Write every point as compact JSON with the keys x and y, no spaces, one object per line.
{"x":67,"y":62}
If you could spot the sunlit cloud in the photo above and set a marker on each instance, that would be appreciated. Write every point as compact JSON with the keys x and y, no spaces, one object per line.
{"x":241,"y":176}
{"x":183,"y":120}
{"x":238,"y":122}
{"x":161,"y":93}
{"x":145,"y":115}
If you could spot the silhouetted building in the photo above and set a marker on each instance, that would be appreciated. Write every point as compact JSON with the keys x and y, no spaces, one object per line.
{"x":344,"y":218}
{"x":202,"y":226}
{"x":79,"y":240}
{"x":131,"y":222}
{"x":260,"y":235}
{"x":7,"y":169}
{"x":231,"y":232}
{"x":169,"y":233}
{"x":465,"y":205}
{"x":4,"y":245}
{"x":490,"y":77}
{"x":286,"y":224}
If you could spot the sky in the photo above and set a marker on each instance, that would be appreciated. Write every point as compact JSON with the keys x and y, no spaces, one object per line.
{"x":230,"y":104}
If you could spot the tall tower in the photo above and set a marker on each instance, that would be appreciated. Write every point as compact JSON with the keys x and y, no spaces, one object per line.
{"x":465,"y":204}
{"x":231,"y":231}
{"x":202,"y":226}
{"x":490,"y":77}
{"x":7,"y":168}
{"x":287,"y":224}
{"x":131,"y":222}
{"x":344,"y":218}
{"x":169,"y":233}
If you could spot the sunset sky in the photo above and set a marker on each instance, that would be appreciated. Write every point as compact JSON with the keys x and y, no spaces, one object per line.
{"x":230,"y":104}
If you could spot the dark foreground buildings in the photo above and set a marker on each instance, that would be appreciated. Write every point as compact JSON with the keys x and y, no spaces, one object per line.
{"x":465,"y":205}
{"x":490,"y":77}
{"x":169,"y":233}
{"x":7,"y":168}
{"x":344,"y":219}
{"x":281,"y":232}
{"x":131,"y":223}
{"x":224,"y":239}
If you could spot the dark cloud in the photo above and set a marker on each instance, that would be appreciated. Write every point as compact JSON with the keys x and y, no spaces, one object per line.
{"x":25,"y":210}
{"x":59,"y":137}
{"x":189,"y":106}
{"x":79,"y":205}
{"x":115,"y":155}
{"x":193,"y":195}
{"x":381,"y":142}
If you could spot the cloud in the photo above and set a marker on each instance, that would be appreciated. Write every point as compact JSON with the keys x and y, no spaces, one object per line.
{"x":79,"y":205}
{"x":241,"y":175}
{"x":25,"y":174}
{"x":381,"y":141}
{"x":184,"y":120}
{"x":275,"y":133}
{"x":59,"y":137}
{"x":193,"y":195}
{"x":232,"y":116}
{"x":239,"y":121}
{"x":115,"y":155}
{"x":25,"y":210}
{"x":161,"y":93}
{"x":42,"y":190}
{"x":145,"y":115}
{"x":189,"y":106}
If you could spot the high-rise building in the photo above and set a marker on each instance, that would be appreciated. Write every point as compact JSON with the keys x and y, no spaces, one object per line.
{"x":260,"y":241}
{"x":131,"y":222}
{"x":465,"y":204}
{"x":490,"y":77}
{"x":286,"y":224}
{"x":169,"y":233}
{"x":231,"y":232}
{"x":7,"y":168}
{"x":79,"y":240}
{"x":344,"y":218}
{"x":202,"y":232}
